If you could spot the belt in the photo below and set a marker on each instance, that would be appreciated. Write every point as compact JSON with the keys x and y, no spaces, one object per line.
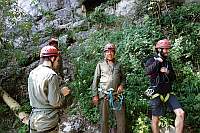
{"x":41,"y":109}
{"x":107,"y":91}
{"x":46,"y":131}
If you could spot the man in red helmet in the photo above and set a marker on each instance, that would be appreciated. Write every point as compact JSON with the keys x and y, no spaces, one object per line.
{"x":59,"y":70}
{"x":161,"y":74}
{"x":109,"y":80}
{"x":54,"y":42}
{"x":44,"y":93}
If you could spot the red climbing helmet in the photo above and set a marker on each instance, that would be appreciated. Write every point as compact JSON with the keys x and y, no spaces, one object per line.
{"x":165,"y":43}
{"x":48,"y":51}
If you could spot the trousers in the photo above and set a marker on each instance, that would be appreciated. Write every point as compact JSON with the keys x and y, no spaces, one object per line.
{"x":106,"y":112}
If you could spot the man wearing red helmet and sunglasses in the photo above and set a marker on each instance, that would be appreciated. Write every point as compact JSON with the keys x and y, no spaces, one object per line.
{"x":107,"y":90}
{"x":44,"y":93}
{"x":161,"y":74}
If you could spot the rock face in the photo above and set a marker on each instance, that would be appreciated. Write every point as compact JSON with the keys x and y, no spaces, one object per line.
{"x":52,"y":13}
{"x":127,"y":7}
{"x":35,"y":8}
{"x":50,"y":16}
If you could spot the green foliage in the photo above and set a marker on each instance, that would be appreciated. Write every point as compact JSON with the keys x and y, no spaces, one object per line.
{"x":3,"y":109}
{"x":191,"y":104}
{"x":187,"y":24}
{"x":25,"y":106}
{"x":154,"y":7}
{"x":165,"y":122}
{"x":134,"y":44}
{"x":101,"y":18}
{"x":49,"y":15}
{"x":3,"y":58}
{"x":20,"y":127}
{"x":35,"y":38}
{"x":23,"y":129}
{"x":6,"y":117}
{"x":142,"y":125}
{"x":112,"y":2}
{"x":21,"y":57}
{"x":25,"y":26}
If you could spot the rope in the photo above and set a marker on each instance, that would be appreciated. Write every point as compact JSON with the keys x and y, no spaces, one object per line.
{"x":115,"y":102}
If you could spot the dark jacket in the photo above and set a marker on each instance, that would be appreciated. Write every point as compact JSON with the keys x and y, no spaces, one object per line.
{"x":162,"y":81}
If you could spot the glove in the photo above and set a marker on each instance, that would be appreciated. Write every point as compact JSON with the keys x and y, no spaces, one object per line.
{"x":150,"y":91}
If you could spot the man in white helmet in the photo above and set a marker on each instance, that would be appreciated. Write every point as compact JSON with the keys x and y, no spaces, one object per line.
{"x":108,"y":81}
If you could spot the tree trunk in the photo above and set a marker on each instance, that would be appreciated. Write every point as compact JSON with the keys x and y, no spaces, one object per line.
{"x":14,"y":106}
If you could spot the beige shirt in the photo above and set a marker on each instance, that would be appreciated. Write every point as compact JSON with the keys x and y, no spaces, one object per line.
{"x":43,"y":88}
{"x":106,"y":77}
{"x":45,"y":97}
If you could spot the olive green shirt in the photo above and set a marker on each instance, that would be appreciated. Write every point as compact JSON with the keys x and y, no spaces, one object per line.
{"x":107,"y":76}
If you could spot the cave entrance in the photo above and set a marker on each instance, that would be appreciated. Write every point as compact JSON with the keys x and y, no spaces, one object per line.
{"x":91,"y":4}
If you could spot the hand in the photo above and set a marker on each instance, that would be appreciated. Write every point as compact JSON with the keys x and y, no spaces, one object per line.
{"x":120,"y":89}
{"x":158,"y":59}
{"x":65,"y":91}
{"x":95,"y":100}
{"x":164,"y":70}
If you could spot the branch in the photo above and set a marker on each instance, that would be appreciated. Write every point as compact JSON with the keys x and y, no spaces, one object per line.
{"x":14,"y":106}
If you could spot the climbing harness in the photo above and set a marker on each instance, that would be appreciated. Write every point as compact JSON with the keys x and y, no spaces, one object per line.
{"x":162,"y":98}
{"x":151,"y":91}
{"x":115,"y":99}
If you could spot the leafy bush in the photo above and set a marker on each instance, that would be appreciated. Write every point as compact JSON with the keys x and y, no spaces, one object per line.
{"x":99,"y":17}
{"x":134,"y":43}
{"x":21,"y":57}
{"x":129,"y":40}
{"x":142,"y":124}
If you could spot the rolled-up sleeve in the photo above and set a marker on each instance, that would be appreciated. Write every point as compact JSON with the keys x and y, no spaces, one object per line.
{"x":96,"y":80}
